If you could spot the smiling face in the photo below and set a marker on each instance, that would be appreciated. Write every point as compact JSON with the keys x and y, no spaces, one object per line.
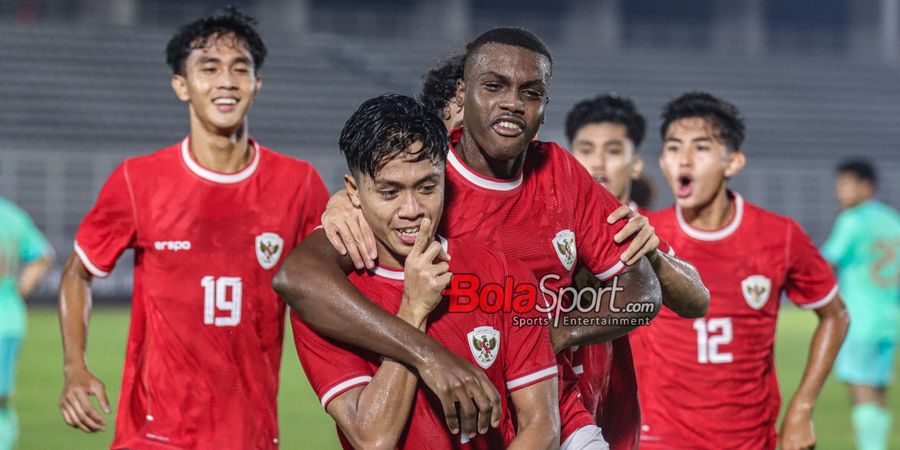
{"x":395,"y":201}
{"x":608,"y":154}
{"x":219,"y":84}
{"x":696,"y":162}
{"x":505,"y":89}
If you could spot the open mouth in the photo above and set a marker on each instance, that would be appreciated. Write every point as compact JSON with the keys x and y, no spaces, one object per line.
{"x":508,"y":127}
{"x":685,"y":186}
{"x":225,"y":104}
{"x":407,"y":235}
{"x":602,"y":179}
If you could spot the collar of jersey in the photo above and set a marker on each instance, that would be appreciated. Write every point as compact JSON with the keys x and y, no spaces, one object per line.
{"x":395,"y":274}
{"x":218,"y":177}
{"x":473,"y":177}
{"x":723,"y":233}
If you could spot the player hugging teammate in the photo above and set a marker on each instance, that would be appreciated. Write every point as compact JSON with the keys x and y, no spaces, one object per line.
{"x":392,"y":364}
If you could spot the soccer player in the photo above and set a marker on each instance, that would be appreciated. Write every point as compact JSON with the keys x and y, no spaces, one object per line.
{"x":25,"y":256}
{"x":504,"y":190}
{"x":864,"y":246}
{"x":209,"y":219}
{"x":439,"y":91}
{"x":605,"y":133}
{"x":711,"y":382}
{"x":396,"y":152}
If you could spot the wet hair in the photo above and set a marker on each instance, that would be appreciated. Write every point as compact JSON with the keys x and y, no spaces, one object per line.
{"x":518,"y":37}
{"x":862,"y":169}
{"x":222,"y":22}
{"x":607,"y":108}
{"x":724,"y":117}
{"x":384,"y":127}
{"x":439,"y":84}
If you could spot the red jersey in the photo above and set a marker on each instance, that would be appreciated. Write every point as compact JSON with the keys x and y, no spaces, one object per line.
{"x":608,"y":383}
{"x":204,"y":346}
{"x":711,"y":382}
{"x":550,"y":217}
{"x":512,"y":356}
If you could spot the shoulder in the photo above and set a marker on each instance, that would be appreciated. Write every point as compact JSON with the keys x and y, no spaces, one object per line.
{"x":468,"y":255}
{"x":163,"y":157}
{"x":287,"y":166}
{"x":549,"y":155}
{"x":662,"y":216}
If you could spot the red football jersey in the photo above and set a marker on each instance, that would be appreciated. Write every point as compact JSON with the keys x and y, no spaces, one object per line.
{"x":550,"y":217}
{"x":512,"y":356}
{"x":711,"y":382}
{"x":204,"y":347}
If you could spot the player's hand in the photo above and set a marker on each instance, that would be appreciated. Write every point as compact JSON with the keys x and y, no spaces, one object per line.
{"x":458,"y":382}
{"x":348,"y":231}
{"x":75,"y":402}
{"x":797,"y":431}
{"x":645,"y":241}
{"x":426,"y":273}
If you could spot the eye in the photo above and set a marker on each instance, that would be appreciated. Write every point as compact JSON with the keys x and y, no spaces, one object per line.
{"x":427,"y":188}
{"x":208,"y":69}
{"x":702,"y":148}
{"x":586,"y":151}
{"x":616,"y":151}
{"x":672,"y":148}
{"x":534,"y":94}
{"x":388,"y":194}
{"x":242,"y":69}
{"x":493,"y":86}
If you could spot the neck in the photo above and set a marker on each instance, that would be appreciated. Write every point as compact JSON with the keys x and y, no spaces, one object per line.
{"x":714,"y":215}
{"x":625,"y":198}
{"x":478,"y":160}
{"x":222,"y":152}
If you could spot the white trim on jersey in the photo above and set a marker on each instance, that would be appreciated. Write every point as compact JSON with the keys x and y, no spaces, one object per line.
{"x":823,"y":301}
{"x":225,"y":178}
{"x":393,"y":274}
{"x":93,"y":269}
{"x":342,"y":387}
{"x":579,"y":369}
{"x":480,"y":180}
{"x":612,"y":271}
{"x":671,"y":252}
{"x":523,"y":380}
{"x":588,"y":437}
{"x":713,"y":235}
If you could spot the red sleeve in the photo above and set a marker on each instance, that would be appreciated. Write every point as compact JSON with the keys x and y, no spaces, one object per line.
{"x":331,"y":368}
{"x":529,"y":356}
{"x":109,"y":227}
{"x":313,"y":206}
{"x":810,"y":282}
{"x":594,"y":236}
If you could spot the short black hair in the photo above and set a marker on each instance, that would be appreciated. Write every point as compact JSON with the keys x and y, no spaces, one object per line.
{"x":721,"y":114}
{"x":518,"y":37}
{"x":439,"y":84}
{"x":221,"y":22}
{"x":384,"y":127}
{"x":862,"y":169}
{"x":607,"y":108}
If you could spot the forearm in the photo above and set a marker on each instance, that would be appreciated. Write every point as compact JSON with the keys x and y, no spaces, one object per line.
{"x":74,"y":312}
{"x":382,"y":408}
{"x":826,"y":342}
{"x":32,"y":274}
{"x":537,"y":417}
{"x":627,"y":301}
{"x":314,"y":283}
{"x":682,"y":289}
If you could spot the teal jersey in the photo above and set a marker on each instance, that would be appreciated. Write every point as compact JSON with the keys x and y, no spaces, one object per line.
{"x":865,"y":247}
{"x":20,"y":243}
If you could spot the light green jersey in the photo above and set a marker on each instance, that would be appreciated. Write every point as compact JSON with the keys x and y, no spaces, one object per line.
{"x":20,"y":243}
{"x":865,"y":247}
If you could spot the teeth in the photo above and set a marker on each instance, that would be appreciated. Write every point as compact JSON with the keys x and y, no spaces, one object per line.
{"x":409,"y":231}
{"x":225,"y":101}
{"x":507,"y":124}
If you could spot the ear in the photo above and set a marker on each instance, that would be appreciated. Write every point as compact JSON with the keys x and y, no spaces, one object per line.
{"x":258,"y":84}
{"x":460,"y":93}
{"x":179,"y":85}
{"x":352,"y":189}
{"x":447,"y":111}
{"x":637,"y":167}
{"x":735,"y":163}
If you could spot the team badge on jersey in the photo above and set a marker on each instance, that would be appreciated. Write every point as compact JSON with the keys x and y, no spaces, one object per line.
{"x":756,"y":289}
{"x":564,"y":244}
{"x":268,"y":249}
{"x":484,"y":344}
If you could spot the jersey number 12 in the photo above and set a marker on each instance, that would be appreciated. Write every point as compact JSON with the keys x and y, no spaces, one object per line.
{"x":221,"y":296}
{"x":708,"y":343}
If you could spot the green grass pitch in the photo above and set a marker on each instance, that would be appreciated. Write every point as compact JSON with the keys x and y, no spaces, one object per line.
{"x":303,"y":422}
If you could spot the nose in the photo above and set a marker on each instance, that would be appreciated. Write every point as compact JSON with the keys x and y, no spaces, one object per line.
{"x":686,"y":157}
{"x":599,"y":162}
{"x":512,"y":102}
{"x":411,"y":209}
{"x":226,"y":80}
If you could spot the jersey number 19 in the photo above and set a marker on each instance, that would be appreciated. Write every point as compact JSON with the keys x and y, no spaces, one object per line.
{"x":221,"y":296}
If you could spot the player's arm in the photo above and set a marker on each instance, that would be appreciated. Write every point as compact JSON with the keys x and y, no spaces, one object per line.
{"x":682,"y":289}
{"x":537,"y":414}
{"x":797,"y":428}
{"x":80,"y":383}
{"x":629,"y":299}
{"x":313,"y":281}
{"x":32,"y":274}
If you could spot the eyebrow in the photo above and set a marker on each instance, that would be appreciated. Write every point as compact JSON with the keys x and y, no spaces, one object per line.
{"x":699,"y":139}
{"x":505,"y":78}
{"x":214,"y":59}
{"x":398,"y":184}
